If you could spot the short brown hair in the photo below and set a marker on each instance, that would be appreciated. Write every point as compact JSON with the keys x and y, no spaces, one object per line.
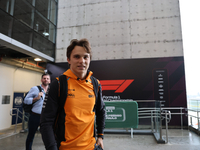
{"x":82,"y":42}
{"x":45,"y":74}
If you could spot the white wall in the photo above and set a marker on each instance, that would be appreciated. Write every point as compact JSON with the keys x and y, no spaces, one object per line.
{"x":13,"y":79}
{"x":121,"y":29}
{"x":191,"y":30}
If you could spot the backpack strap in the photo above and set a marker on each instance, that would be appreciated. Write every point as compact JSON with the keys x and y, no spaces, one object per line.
{"x":62,"y":89}
{"x":39,"y":87}
{"x":95,"y":85}
{"x":59,"y":121}
{"x":96,"y":88}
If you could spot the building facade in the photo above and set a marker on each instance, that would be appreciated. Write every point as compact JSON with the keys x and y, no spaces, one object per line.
{"x":29,"y":26}
{"x":145,"y":30}
{"x":121,"y":29}
{"x":27,"y":31}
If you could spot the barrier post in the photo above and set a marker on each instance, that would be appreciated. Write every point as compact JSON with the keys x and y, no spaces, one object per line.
{"x":16,"y":120}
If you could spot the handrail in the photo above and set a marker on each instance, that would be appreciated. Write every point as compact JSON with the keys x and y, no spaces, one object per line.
{"x":167,"y":120}
{"x":145,"y":101}
{"x":176,"y":108}
{"x":152,"y":113}
{"x":192,"y":110}
{"x":186,"y":114}
{"x":17,"y":116}
{"x":156,"y":113}
{"x":149,"y":108}
{"x":197,"y":117}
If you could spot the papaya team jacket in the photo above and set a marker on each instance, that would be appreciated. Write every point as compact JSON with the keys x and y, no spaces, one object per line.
{"x":75,"y":125}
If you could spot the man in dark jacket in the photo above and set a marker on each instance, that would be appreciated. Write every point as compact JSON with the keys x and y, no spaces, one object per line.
{"x":75,"y":124}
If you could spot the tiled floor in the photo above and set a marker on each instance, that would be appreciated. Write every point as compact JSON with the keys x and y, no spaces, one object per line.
{"x":178,"y":140}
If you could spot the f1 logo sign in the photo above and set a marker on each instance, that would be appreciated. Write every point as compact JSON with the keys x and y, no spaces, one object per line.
{"x":118,"y":85}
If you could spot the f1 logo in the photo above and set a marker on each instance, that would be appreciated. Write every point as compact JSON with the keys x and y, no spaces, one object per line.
{"x":118,"y":85}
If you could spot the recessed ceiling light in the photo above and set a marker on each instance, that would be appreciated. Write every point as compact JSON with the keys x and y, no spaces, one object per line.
{"x":38,"y":59}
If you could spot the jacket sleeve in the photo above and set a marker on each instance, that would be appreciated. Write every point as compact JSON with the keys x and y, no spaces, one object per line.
{"x":31,"y":94}
{"x":48,"y":116}
{"x":100,"y":114}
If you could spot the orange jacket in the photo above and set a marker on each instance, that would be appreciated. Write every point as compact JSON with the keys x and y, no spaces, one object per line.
{"x":78,"y":115}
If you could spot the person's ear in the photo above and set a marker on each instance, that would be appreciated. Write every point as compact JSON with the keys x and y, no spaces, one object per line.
{"x":68,"y":60}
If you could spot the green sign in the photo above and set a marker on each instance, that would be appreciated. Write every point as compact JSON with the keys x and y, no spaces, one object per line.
{"x":121,"y":114}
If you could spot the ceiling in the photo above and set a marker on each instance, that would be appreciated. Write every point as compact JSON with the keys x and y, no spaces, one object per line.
{"x":6,"y":52}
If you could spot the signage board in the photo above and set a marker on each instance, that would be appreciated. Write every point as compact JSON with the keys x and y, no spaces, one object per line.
{"x":121,"y":114}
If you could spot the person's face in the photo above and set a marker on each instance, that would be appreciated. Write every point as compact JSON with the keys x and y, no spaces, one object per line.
{"x":45,"y":80}
{"x":79,"y":61}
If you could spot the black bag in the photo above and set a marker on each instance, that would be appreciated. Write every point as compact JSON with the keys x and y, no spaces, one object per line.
{"x":97,"y":147}
{"x":27,"y":108}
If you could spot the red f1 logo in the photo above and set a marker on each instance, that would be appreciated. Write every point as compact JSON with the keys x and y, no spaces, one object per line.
{"x":118,"y":85}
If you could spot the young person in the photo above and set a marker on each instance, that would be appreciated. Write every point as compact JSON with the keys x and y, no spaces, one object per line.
{"x":76,"y":123}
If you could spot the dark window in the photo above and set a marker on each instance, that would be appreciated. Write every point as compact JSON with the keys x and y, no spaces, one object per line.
{"x":41,"y":25}
{"x":31,"y":22}
{"x":7,"y":5}
{"x":53,"y":12}
{"x":5,"y":23}
{"x":31,"y":2}
{"x":24,"y":12}
{"x":22,"y":33}
{"x":44,"y":27}
{"x":43,"y":45}
{"x":52,"y":33}
{"x":43,"y":7}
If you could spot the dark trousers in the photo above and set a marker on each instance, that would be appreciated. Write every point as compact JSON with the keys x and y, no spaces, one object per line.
{"x":33,"y":123}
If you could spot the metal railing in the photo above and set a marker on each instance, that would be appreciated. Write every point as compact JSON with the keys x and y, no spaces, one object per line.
{"x":192,"y":116}
{"x":181,"y":113}
{"x":167,"y":114}
{"x":18,"y":116}
{"x":193,"y":112}
{"x":156,"y":115}
{"x":186,"y":113}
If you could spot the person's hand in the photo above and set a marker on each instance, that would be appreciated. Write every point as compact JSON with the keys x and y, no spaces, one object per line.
{"x":40,"y":95}
{"x":100,"y":142}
